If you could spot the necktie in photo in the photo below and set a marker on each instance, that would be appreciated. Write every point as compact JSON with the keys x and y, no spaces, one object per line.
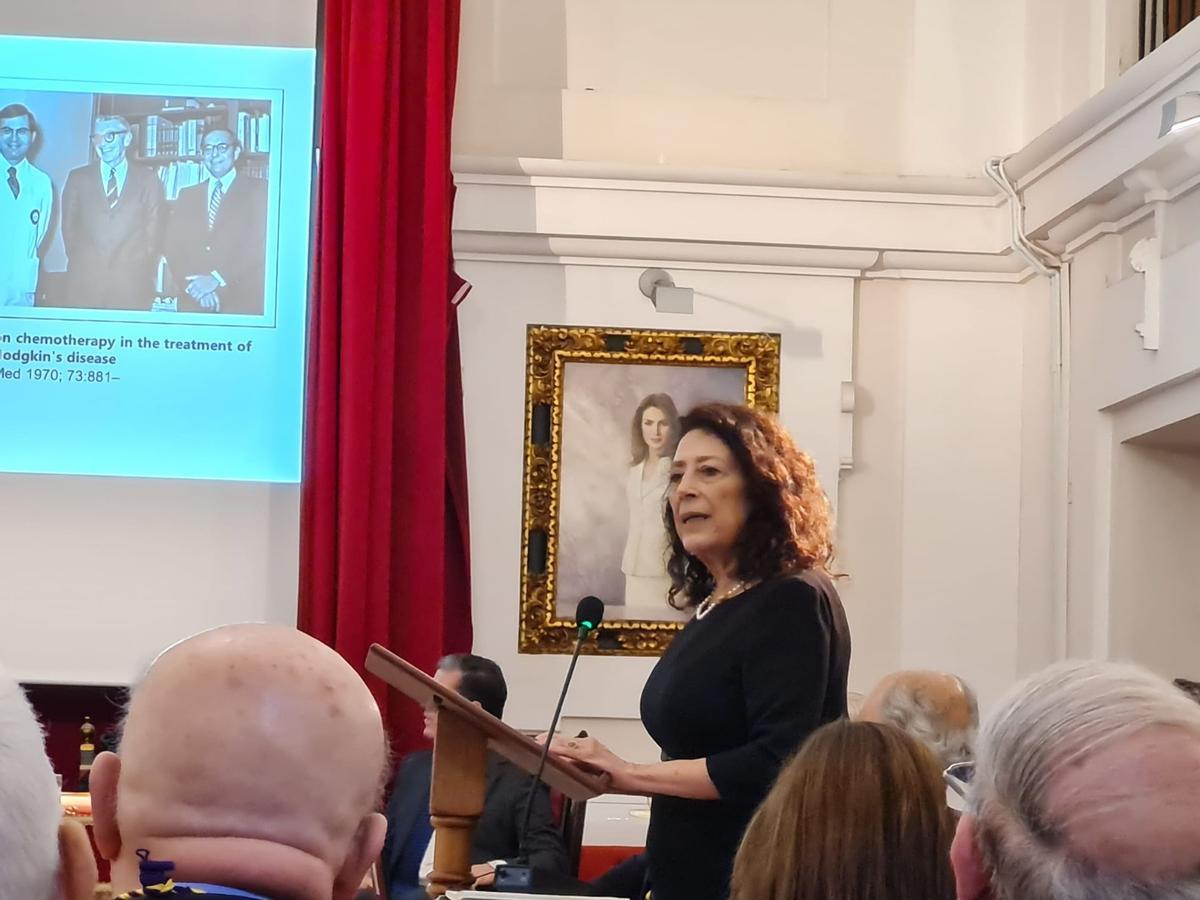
{"x":214,"y":203}
{"x":110,"y":189}
{"x":13,"y":184}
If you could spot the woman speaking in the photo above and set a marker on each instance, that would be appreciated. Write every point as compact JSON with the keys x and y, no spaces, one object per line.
{"x":761,"y":664}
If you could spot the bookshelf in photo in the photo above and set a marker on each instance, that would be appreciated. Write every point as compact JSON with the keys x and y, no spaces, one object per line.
{"x":167,"y":132}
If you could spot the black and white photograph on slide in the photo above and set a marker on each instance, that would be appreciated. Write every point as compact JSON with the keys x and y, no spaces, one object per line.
{"x":138,"y":203}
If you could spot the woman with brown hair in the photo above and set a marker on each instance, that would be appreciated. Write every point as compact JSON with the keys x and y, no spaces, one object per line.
{"x":761,"y":664}
{"x":654,"y":434}
{"x":858,"y":814}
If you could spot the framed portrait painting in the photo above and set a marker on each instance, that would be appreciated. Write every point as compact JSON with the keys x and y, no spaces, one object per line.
{"x":602,"y":413}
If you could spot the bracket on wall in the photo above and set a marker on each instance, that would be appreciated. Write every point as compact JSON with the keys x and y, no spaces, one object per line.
{"x":1146,"y":257}
{"x":848,"y":398}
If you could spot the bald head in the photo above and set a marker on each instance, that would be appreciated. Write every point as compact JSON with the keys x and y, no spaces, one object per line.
{"x":252,"y":733}
{"x":936,"y":708}
{"x":1130,"y":807}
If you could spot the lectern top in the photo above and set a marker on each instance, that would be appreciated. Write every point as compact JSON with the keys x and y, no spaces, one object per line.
{"x":522,"y":750}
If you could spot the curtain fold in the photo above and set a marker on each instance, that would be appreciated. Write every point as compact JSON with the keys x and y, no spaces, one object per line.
{"x":384,"y":534}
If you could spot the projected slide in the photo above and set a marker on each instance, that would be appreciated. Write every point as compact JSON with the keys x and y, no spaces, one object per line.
{"x":154,"y":253}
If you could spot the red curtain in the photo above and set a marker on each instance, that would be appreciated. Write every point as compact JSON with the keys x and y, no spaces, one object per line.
{"x":383,"y":550}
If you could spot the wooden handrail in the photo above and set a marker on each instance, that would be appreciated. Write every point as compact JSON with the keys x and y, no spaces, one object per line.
{"x":1160,"y":20}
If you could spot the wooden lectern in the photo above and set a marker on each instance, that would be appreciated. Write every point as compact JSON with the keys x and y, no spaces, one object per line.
{"x":464,"y":734}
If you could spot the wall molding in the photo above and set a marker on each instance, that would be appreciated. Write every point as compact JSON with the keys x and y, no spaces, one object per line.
{"x":1098,"y":165}
{"x":955,"y":189}
{"x":569,"y":212}
{"x":1093,"y":173}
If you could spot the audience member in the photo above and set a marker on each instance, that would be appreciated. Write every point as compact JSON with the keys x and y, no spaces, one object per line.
{"x":936,"y":708}
{"x":42,"y":855}
{"x":1086,"y":787}
{"x":408,"y":851}
{"x":858,"y":812}
{"x":251,"y":758}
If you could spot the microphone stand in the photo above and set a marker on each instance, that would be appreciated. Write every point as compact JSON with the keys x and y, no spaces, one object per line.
{"x":519,"y":876}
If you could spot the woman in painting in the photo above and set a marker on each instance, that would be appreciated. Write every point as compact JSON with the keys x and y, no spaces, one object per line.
{"x":654,"y":432}
{"x":761,"y":664}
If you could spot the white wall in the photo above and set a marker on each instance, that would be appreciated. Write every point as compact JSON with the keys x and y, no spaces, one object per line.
{"x":941,"y":524}
{"x":1155,"y":617}
{"x":1125,"y":499}
{"x":1073,"y":48}
{"x":100,"y":573}
{"x":1096,"y":186}
{"x":953,"y":431}
{"x":814,"y":315}
{"x":946,"y":517}
{"x":919,"y":87}
{"x":274,"y":23}
{"x":1119,"y":391}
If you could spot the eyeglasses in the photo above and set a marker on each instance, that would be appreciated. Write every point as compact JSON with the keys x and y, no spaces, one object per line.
{"x":6,"y":133}
{"x":214,"y":149}
{"x":958,"y":777}
{"x":108,"y":137}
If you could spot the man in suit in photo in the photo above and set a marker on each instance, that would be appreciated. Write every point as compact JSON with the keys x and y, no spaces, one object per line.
{"x":216,"y":244}
{"x":408,"y":849}
{"x":26,"y":200}
{"x":113,"y":219}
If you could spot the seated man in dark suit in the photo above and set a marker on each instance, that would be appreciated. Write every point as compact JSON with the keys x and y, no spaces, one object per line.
{"x":408,"y":850}
{"x":216,"y":243}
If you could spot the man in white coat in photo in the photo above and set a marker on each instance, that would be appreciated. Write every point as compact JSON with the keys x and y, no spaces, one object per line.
{"x":26,"y":200}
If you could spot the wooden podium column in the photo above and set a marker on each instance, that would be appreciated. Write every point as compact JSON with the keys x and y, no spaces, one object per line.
{"x":456,"y":799}
{"x":460,"y":749}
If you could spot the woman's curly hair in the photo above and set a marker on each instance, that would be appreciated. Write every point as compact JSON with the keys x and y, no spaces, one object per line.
{"x":789,"y":525}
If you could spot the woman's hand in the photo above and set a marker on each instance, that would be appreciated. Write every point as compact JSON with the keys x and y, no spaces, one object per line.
{"x":593,"y":757}
{"x":484,"y":875}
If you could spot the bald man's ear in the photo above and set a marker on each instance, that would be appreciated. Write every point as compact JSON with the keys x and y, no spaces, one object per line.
{"x":972,"y":880}
{"x":76,"y":862}
{"x":106,"y":772}
{"x":363,"y":852}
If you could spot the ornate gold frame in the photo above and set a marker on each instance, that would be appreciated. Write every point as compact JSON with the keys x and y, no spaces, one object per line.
{"x":548,"y":349}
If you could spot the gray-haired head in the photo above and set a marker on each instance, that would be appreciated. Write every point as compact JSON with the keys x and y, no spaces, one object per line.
{"x":1086,"y":784}
{"x":937,"y":708}
{"x":29,"y":808}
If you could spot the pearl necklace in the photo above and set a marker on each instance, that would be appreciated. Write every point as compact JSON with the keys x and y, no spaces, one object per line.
{"x":711,"y":602}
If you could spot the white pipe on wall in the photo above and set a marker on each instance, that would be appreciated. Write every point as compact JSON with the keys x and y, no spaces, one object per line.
{"x":1059,"y":273}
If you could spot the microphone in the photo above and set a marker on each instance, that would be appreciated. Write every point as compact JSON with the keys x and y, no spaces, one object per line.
{"x":589,"y":613}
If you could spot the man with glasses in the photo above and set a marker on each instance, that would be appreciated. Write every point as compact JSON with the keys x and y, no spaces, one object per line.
{"x":26,"y":200}
{"x":216,"y":244}
{"x":113,"y":220}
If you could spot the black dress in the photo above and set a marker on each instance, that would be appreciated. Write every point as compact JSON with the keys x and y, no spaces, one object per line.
{"x":740,"y":688}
